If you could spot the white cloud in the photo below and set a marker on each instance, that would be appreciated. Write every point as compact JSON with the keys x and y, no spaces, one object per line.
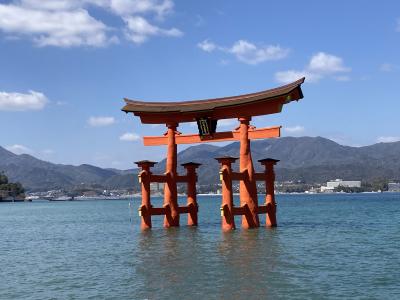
{"x":342,"y":78}
{"x":67,"y":23}
{"x":50,"y":4}
{"x":247,"y":52}
{"x":129,"y":137}
{"x":64,"y":28}
{"x":386,"y":67}
{"x":228,"y":122}
{"x":133,"y":7}
{"x":293,"y":75}
{"x":294,"y":129}
{"x":252,"y":54}
{"x":119,"y":7}
{"x":48,"y":152}
{"x":19,"y":149}
{"x":138,"y":30}
{"x":200,"y":21}
{"x":207,"y":46}
{"x":388,"y":139}
{"x":321,"y":65}
{"x":22,"y":102}
{"x":101,"y":121}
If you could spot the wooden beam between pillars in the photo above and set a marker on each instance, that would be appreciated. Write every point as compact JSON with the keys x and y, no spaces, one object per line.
{"x":254,"y":134}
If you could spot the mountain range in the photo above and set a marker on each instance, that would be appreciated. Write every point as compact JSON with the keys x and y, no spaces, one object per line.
{"x":308,"y":159}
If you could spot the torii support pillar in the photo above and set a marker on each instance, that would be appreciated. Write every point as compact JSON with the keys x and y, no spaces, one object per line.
{"x":270,"y":203}
{"x":144,"y":179}
{"x":228,"y":219}
{"x":170,"y":190}
{"x":193,"y":207}
{"x":248,"y":187}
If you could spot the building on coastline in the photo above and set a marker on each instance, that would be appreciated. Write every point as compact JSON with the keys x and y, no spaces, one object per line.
{"x":332,"y":184}
{"x":156,"y":187}
{"x":4,"y":194}
{"x":394,"y":187}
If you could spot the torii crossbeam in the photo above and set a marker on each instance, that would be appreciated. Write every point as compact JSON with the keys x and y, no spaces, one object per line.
{"x":207,"y":113}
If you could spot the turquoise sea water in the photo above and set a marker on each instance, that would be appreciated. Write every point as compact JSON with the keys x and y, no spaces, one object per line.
{"x":326,"y":247}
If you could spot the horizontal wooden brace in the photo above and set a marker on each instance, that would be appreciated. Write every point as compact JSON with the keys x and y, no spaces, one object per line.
{"x":158,"y":178}
{"x":158,"y":211}
{"x":262,"y":209}
{"x":182,"y":178}
{"x":242,"y":210}
{"x":184,"y":209}
{"x":238,"y":175}
{"x":164,"y":178}
{"x":262,"y":133}
{"x":154,"y":211}
{"x":260,"y":176}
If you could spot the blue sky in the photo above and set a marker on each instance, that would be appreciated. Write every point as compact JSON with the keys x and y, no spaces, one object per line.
{"x":65,"y":67}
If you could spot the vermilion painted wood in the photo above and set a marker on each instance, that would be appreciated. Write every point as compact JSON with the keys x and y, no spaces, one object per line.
{"x":238,"y":176}
{"x":247,"y":186}
{"x":241,"y":210}
{"x":227,"y":220}
{"x":254,"y":109}
{"x":262,"y":133}
{"x":144,"y":178}
{"x":171,"y":219}
{"x":259,"y":176}
{"x":270,"y":191}
{"x":191,"y":179}
{"x":158,"y":211}
{"x":263,"y":102}
{"x":243,"y":107}
{"x":158,"y":178}
{"x":262,"y":209}
{"x":163,"y":178}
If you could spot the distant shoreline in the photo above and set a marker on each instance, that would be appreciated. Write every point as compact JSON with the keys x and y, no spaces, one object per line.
{"x":135,"y":196}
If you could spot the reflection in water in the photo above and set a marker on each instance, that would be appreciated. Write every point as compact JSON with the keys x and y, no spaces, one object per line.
{"x":226,"y":265}
{"x":249,"y":258}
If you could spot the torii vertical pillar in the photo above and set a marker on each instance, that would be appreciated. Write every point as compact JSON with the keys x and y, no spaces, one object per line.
{"x":144,"y":179}
{"x":191,"y":192}
{"x":270,"y":203}
{"x":170,"y":190}
{"x":228,"y":218}
{"x":248,"y":187}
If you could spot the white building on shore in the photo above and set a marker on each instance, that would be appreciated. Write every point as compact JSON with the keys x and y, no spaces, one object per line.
{"x":393,"y":187}
{"x":332,"y":184}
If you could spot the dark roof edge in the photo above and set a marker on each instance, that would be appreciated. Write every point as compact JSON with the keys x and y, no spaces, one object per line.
{"x":288,"y":88}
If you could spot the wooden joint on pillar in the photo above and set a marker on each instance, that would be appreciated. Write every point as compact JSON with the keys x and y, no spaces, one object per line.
{"x":224,"y":210}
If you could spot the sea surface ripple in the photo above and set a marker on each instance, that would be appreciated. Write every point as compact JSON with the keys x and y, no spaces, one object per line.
{"x":343,"y":246}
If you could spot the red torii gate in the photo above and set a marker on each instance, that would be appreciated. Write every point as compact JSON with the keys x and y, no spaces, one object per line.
{"x":207,"y":113}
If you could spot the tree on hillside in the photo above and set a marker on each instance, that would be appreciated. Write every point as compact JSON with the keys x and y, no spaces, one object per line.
{"x":12,"y":189}
{"x":3,"y":178}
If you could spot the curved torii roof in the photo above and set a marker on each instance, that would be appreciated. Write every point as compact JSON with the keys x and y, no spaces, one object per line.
{"x":255,"y":104}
